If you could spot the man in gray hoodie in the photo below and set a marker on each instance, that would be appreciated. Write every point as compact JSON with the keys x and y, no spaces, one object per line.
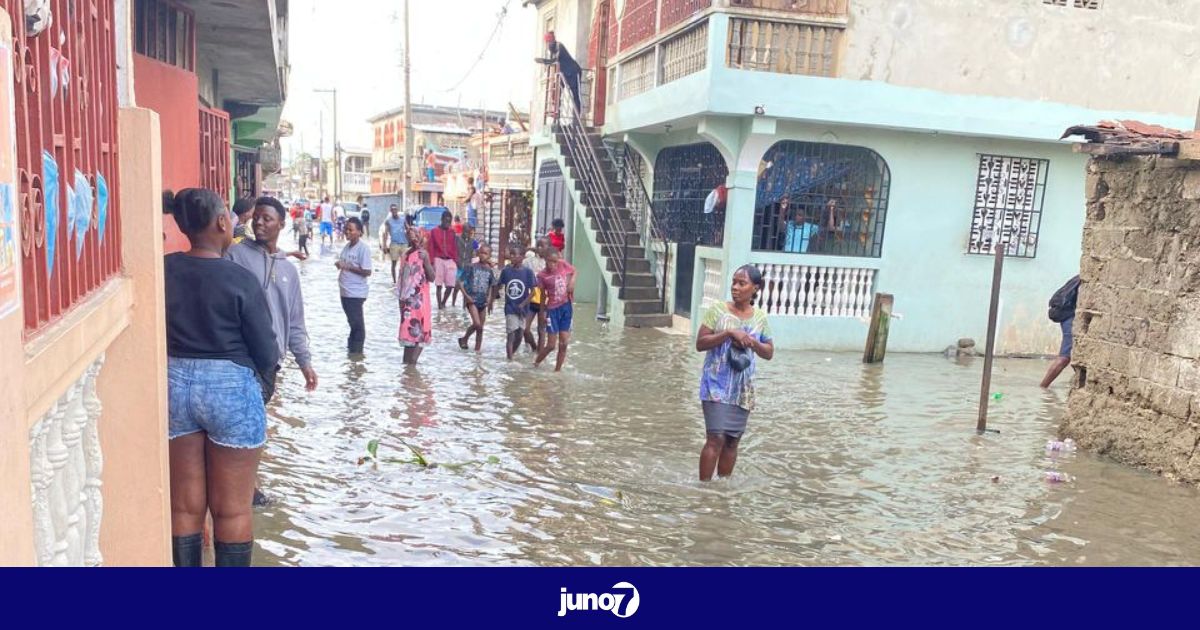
{"x":280,"y":280}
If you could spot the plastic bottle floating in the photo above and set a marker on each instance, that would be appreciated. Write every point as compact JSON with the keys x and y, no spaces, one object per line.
{"x":1065,"y":446}
{"x":1054,"y":476}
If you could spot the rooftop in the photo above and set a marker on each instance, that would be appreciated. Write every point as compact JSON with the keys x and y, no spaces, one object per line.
{"x":1131,"y":137}
{"x":439,"y":110}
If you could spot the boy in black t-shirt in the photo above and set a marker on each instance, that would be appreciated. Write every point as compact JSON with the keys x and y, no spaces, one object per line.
{"x":517,"y":281}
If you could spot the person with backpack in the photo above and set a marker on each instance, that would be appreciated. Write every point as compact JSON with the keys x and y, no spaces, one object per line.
{"x":1062,"y":312}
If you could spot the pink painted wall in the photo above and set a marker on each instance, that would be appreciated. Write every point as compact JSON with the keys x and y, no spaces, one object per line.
{"x":174,"y":94}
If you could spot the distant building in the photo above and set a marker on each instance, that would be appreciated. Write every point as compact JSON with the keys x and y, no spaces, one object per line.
{"x":446,"y":131}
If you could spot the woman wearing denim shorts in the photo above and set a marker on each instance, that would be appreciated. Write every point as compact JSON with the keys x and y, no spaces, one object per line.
{"x":222,"y":359}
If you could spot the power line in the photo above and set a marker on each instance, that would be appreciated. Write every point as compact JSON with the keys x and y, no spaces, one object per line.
{"x":499,"y":23}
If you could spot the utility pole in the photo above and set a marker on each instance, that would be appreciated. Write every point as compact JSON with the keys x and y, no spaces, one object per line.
{"x":408,"y":128}
{"x":337,"y":149}
{"x":321,"y":158}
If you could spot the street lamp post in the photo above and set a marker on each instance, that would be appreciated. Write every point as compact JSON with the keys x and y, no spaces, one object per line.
{"x":337,"y":148}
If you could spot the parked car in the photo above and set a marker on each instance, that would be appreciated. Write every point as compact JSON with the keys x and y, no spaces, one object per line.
{"x":353,"y":210}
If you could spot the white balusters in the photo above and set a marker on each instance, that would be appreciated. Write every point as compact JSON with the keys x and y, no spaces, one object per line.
{"x":66,"y":466}
{"x":804,"y":291}
{"x":839,"y":288}
{"x":714,"y":286}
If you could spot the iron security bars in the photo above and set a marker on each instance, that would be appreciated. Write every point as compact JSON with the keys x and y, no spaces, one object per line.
{"x":816,"y":198}
{"x":684,"y":177}
{"x":1009,"y":195}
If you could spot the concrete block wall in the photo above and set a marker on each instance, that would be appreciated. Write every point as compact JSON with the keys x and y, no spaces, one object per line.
{"x":1137,"y":331}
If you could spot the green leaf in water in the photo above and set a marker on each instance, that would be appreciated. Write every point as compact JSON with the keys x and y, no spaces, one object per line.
{"x":373,"y":448}
{"x":492,"y":459}
{"x":416,"y":451}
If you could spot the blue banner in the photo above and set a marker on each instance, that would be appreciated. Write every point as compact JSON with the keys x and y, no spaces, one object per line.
{"x":614,"y":597}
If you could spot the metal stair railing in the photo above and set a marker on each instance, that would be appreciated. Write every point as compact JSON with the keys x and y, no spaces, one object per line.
{"x":650,"y":229}
{"x":590,"y":172}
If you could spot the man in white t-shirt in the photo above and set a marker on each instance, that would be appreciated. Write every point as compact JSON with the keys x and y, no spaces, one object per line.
{"x":325,"y":218}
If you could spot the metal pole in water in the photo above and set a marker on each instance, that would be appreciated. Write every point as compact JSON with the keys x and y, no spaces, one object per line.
{"x":989,"y":354}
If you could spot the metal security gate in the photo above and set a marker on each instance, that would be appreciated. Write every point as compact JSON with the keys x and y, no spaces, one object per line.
{"x":553,"y":201}
{"x":684,"y":177}
{"x":65,"y":87}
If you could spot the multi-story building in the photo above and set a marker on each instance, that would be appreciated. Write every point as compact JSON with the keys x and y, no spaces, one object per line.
{"x":444,"y":131}
{"x":506,"y":174}
{"x":356,"y":173}
{"x":114,"y":101}
{"x":220,"y":102}
{"x":846,"y":148}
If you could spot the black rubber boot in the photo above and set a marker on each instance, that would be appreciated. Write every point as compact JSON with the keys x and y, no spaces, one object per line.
{"x":234,"y":554}
{"x":185,"y":550}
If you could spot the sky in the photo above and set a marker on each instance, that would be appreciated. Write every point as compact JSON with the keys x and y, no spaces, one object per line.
{"x":356,"y":47}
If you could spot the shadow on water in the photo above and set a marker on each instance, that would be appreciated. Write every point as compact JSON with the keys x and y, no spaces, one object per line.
{"x":843,"y":464}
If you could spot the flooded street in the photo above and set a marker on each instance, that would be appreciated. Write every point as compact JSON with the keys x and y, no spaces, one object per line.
{"x":843,"y":464}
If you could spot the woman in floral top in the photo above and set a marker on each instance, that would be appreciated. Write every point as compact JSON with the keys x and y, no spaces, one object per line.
{"x":733,"y":334}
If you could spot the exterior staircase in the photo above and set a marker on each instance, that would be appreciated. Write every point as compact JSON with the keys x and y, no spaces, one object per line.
{"x":618,"y":238}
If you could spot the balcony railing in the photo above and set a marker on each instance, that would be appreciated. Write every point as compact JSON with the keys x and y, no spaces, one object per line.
{"x":356,"y":182}
{"x":684,"y":55}
{"x":637,"y":75}
{"x":783,"y":47}
{"x":808,"y":291}
{"x":806,"y":44}
{"x":826,"y":8}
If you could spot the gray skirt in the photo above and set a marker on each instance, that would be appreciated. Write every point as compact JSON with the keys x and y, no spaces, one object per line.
{"x":724,"y":419}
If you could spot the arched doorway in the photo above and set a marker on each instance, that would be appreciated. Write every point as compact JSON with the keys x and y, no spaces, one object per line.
{"x":553,"y":202}
{"x":684,"y":177}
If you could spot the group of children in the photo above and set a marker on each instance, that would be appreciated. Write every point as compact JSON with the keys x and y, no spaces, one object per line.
{"x":537,"y":286}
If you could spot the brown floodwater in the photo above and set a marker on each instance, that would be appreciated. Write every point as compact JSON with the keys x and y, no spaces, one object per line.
{"x":843,"y":464}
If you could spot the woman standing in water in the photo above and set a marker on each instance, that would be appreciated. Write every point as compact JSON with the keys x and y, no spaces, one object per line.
{"x":416,"y":328}
{"x":733,"y":334}
{"x":222,"y":359}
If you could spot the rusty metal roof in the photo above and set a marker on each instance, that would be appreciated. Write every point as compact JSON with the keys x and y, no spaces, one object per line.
{"x":1128,"y":137}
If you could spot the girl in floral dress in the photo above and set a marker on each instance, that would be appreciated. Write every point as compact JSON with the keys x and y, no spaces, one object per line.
{"x":416,"y":330}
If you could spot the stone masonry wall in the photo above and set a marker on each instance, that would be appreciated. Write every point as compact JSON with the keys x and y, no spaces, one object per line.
{"x":1136,"y":395}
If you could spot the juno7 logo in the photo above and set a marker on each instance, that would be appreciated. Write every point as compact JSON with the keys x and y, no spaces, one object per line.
{"x":622,"y":602}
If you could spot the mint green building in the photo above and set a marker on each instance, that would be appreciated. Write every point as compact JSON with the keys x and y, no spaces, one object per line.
{"x":846,"y":147}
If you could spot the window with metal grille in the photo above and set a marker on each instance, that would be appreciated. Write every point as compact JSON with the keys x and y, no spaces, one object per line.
{"x":214,"y":151}
{"x":683,"y":178}
{"x":783,"y":47}
{"x":1078,"y":4}
{"x":165,"y":31}
{"x":816,"y":198}
{"x":1009,"y":194}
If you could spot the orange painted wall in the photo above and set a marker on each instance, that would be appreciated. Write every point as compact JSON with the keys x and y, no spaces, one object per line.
{"x":174,"y":94}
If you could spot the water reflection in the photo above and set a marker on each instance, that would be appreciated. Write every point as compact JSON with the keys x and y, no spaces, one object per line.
{"x":843,"y":464}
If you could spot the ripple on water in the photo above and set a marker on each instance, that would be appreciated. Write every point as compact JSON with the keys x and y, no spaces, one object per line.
{"x":842,"y":464}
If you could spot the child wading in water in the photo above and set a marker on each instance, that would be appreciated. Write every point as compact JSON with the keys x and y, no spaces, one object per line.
{"x":478,"y":286}
{"x":517,"y":281}
{"x":558,"y":283}
{"x":537,"y":264}
{"x":733,"y":334}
